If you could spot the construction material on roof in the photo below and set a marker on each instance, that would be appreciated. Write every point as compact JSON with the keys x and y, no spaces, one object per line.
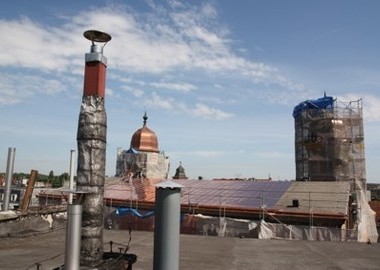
{"x":122,"y":211}
{"x":268,"y":230}
{"x":329,"y":140}
{"x":325,"y":102}
{"x":367,"y":231}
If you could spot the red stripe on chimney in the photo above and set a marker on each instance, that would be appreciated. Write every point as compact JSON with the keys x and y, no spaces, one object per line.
{"x":94,"y":79}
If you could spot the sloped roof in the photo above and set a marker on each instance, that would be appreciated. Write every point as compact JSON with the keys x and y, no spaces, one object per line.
{"x":316,"y":197}
{"x":235,"y":193}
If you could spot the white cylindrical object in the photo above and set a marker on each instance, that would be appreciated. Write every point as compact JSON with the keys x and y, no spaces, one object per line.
{"x":167,"y":226}
{"x":72,"y":169}
{"x":8,"y":178}
{"x":73,"y":237}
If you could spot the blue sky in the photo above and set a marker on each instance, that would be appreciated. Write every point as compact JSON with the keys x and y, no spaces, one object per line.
{"x":218,"y":79}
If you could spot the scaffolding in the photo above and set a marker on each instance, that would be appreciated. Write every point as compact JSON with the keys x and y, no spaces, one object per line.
{"x":142,"y":164}
{"x":329,"y":140}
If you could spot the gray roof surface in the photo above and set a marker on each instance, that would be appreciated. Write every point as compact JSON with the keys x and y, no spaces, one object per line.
{"x":232,"y":193}
{"x":201,"y":252}
{"x":317,"y":197}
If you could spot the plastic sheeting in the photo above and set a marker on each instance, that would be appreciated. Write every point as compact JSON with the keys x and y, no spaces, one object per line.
{"x":126,"y":211}
{"x":367,"y":231}
{"x":320,"y":103}
{"x":298,"y":232}
{"x":221,"y":226}
{"x":229,"y":227}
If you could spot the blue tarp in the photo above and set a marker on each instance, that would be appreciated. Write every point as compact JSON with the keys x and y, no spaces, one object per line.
{"x":325,"y":102}
{"x":132,"y":151}
{"x":121,"y":211}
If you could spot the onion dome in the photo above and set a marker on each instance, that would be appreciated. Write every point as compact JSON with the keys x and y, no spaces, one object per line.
{"x":144,"y":139}
{"x":180,"y":172}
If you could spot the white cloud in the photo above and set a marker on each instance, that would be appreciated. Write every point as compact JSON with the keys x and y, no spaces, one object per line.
{"x":136,"y":92}
{"x":371,"y":108}
{"x":28,"y":44}
{"x":371,"y":105}
{"x":209,"y":112}
{"x":185,"y":37}
{"x":157,"y":101}
{"x":200,"y":110}
{"x":217,"y":100}
{"x":182,"y":87}
{"x":15,"y":88}
{"x":176,"y":40}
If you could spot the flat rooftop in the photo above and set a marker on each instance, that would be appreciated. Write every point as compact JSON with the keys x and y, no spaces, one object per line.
{"x":200,"y":252}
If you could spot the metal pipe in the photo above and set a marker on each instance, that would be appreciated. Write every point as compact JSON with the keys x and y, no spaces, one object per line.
{"x":73,"y":237}
{"x":167,"y":226}
{"x":8,"y":178}
{"x":72,"y":169}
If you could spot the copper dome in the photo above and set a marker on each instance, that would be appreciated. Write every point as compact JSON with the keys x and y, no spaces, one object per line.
{"x":144,"y":139}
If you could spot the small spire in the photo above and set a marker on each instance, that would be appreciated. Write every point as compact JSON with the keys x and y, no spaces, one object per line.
{"x":325,"y":93}
{"x":145,"y":117}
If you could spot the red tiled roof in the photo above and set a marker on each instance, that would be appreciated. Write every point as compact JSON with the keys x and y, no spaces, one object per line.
{"x":236,"y":193}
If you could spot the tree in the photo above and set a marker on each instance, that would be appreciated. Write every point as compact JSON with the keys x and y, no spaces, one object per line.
{"x":64,"y":176}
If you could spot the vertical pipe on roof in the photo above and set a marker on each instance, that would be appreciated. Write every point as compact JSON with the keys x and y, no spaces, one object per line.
{"x":8,"y":178}
{"x":73,"y":235}
{"x":72,"y":170}
{"x":167,"y":226}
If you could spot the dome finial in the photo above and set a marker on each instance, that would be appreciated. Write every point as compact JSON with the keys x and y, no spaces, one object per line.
{"x":145,"y":117}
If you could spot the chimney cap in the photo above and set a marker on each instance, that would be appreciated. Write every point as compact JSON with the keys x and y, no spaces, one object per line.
{"x":97,"y":36}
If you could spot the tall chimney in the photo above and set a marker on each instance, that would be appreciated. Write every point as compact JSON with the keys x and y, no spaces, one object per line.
{"x":91,"y":139}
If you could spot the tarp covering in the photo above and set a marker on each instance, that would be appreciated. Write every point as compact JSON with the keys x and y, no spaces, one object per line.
{"x":367,"y":231}
{"x":222,"y":226}
{"x":320,"y":103}
{"x":132,"y":151}
{"x":230,"y":227}
{"x":300,"y":232}
{"x":125,"y":211}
